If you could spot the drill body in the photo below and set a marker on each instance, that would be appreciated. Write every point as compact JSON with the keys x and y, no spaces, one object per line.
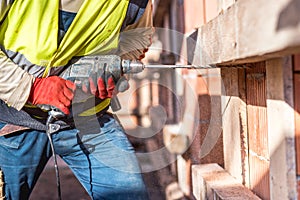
{"x":81,"y":69}
{"x":104,"y":65}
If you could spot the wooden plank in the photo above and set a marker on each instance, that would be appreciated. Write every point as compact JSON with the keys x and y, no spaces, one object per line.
{"x":230,"y":39}
{"x":281,"y":142}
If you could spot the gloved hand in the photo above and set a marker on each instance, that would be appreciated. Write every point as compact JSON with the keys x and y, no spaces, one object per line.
{"x":103,"y":87}
{"x":54,"y":91}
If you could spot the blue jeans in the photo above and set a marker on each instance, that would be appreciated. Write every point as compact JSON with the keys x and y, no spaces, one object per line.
{"x":102,"y":160}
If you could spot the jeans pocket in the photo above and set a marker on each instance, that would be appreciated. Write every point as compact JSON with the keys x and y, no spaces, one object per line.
{"x":12,"y":140}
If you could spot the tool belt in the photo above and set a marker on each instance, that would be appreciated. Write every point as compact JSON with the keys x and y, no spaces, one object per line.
{"x":36,"y":119}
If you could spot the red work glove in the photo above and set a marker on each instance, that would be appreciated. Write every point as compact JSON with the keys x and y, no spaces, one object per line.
{"x":54,"y":91}
{"x":100,"y":89}
{"x":105,"y":89}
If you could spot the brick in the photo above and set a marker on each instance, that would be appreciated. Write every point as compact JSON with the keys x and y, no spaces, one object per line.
{"x":297,"y":62}
{"x":281,"y":143}
{"x":197,"y":18}
{"x":230,"y":38}
{"x":210,"y":181}
{"x":184,"y":174}
{"x":234,"y":125}
{"x":257,"y":109}
{"x":225,"y":4}
{"x":173,"y":192}
{"x":211,"y":9}
{"x":259,"y":175}
{"x":175,"y":141}
{"x":298,"y":186}
{"x":297,"y":118}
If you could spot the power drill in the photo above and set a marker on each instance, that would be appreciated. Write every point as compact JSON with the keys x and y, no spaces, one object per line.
{"x":80,"y":70}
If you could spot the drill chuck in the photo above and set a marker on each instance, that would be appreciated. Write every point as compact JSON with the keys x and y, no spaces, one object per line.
{"x":132,"y":67}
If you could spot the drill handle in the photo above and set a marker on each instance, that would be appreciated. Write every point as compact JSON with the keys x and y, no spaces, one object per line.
{"x":115,"y":104}
{"x":121,"y":86}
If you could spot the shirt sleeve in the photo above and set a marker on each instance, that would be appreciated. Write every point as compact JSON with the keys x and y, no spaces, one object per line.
{"x":136,"y":36}
{"x":15,"y":83}
{"x":135,"y":10}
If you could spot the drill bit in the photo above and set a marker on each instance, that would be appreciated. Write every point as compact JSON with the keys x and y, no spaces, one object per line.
{"x":161,"y":66}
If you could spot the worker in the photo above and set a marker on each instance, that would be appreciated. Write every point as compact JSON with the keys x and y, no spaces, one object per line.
{"x":39,"y":39}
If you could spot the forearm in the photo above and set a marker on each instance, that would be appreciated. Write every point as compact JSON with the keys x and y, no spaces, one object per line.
{"x":15,"y":83}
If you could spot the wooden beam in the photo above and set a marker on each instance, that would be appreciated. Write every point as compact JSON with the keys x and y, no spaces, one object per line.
{"x":250,"y":31}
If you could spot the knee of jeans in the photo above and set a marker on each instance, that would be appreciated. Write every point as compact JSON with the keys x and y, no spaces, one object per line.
{"x":131,"y":187}
{"x":134,"y":185}
{"x":137,"y":192}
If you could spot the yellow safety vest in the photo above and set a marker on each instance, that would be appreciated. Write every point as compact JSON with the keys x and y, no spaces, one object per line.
{"x":34,"y":32}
